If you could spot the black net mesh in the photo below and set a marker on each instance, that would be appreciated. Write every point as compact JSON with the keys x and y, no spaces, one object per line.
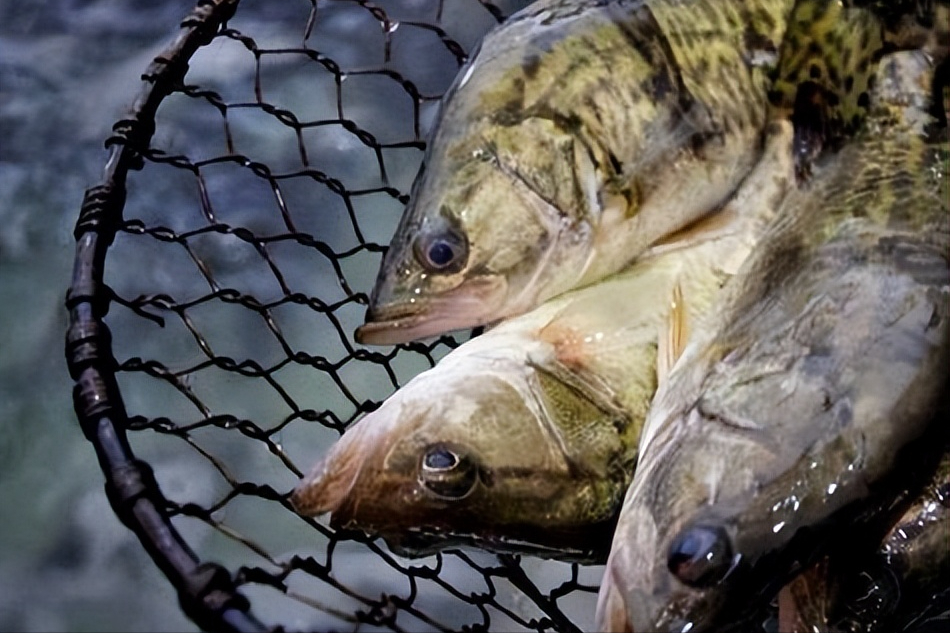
{"x":222,"y":267}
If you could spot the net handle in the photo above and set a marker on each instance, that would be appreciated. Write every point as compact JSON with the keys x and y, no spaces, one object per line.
{"x":206,"y":591}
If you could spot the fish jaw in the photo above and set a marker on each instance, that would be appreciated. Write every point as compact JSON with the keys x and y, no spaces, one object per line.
{"x":475,"y":300}
{"x":639,"y":592}
{"x":622,"y":608}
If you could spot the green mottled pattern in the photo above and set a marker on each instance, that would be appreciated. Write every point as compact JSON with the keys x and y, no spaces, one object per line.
{"x":579,"y":135}
{"x":833,"y":49}
{"x":825,"y":359}
{"x":582,"y":132}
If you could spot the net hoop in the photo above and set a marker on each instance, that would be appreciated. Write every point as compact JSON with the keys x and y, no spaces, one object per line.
{"x":206,"y":591}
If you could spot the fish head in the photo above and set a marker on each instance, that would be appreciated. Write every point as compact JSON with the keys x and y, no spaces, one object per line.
{"x":498,"y":219}
{"x":473,"y":459}
{"x":701,"y":526}
{"x":784,"y":442}
{"x":675,"y":561}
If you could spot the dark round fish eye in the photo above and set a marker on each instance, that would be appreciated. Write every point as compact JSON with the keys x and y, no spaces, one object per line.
{"x":441,"y":251}
{"x":700,"y":556}
{"x":440,"y":459}
{"x":447,"y":472}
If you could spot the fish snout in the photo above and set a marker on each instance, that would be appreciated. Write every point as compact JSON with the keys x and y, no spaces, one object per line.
{"x":332,"y":480}
{"x":404,"y":315}
{"x":323,"y":490}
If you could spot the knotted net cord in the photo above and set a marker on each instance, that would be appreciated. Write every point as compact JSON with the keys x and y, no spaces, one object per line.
{"x":221,"y":267}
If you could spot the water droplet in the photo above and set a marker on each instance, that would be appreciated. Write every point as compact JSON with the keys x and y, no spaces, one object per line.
{"x":467,"y":75}
{"x":777,"y":527}
{"x":832,"y":488}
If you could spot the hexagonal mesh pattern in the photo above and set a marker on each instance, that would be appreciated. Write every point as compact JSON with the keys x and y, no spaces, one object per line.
{"x":222,"y":267}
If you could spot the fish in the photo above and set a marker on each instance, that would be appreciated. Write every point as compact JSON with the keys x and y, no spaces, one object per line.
{"x":581,"y":133}
{"x":911,"y":567}
{"x":524,"y":439}
{"x":891,"y":587}
{"x":788,"y":423}
{"x":577,"y":135}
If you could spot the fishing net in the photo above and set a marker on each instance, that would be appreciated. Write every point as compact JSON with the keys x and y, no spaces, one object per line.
{"x":222,"y":265}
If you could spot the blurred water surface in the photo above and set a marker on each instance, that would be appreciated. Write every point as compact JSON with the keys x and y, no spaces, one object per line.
{"x":68,"y":70}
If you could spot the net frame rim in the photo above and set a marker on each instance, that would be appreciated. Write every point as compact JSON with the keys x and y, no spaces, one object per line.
{"x":206,"y":591}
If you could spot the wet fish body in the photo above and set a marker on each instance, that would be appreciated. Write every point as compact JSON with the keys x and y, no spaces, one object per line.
{"x":894,"y":586}
{"x":583,"y":132}
{"x":809,"y":401}
{"x":577,"y":136}
{"x":524,"y":438}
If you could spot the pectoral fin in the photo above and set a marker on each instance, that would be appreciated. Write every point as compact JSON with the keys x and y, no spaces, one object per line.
{"x":673,"y":336}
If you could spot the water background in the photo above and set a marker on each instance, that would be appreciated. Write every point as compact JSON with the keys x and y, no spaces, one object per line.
{"x":68,"y":69}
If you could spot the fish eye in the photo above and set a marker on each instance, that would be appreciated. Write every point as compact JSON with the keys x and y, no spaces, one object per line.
{"x":700,"y":556}
{"x":443,"y":251}
{"x":440,"y":458}
{"x":447,"y":472}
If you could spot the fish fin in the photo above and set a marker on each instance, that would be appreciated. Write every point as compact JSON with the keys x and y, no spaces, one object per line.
{"x":673,"y":336}
{"x":803,"y":604}
{"x":709,"y":227}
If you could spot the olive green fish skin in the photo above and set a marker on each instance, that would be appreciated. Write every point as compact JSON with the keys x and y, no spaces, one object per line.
{"x":578,"y":135}
{"x":828,"y":60}
{"x":825,"y":369}
{"x":542,"y":414}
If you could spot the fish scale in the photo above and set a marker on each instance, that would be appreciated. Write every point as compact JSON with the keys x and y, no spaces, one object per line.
{"x":562,"y":151}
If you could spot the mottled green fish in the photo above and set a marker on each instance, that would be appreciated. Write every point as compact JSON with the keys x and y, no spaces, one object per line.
{"x":581,"y":133}
{"x":584,"y":131}
{"x":788,"y":424}
{"x":525,"y":438}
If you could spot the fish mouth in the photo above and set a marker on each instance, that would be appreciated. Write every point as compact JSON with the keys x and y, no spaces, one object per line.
{"x":472,"y":303}
{"x":328,"y":485}
{"x":324,"y":489}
